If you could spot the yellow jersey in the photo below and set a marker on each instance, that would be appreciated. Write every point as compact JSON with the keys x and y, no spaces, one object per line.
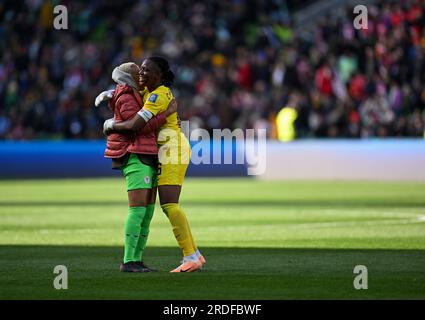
{"x":174,"y":152}
{"x":157,"y":101}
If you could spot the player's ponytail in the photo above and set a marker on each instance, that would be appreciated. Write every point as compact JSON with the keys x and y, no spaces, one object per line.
{"x":167,"y":76}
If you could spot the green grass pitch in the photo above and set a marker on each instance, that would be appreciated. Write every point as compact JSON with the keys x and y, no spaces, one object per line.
{"x":262,"y":240}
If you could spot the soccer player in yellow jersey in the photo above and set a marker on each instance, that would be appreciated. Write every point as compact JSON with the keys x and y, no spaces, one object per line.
{"x":174,"y":153}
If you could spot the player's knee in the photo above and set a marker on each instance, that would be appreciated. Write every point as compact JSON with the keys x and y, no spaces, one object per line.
{"x":169,"y":208}
{"x":138,"y":198}
{"x":137,"y":203}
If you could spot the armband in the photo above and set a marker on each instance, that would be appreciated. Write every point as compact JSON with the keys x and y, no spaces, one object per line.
{"x":145,"y":114}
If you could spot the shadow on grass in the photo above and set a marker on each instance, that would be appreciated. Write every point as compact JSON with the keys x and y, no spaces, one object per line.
{"x":26,"y":272}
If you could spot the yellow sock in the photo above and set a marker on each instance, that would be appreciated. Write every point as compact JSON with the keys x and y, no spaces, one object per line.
{"x":191,"y":237}
{"x":180,"y":226}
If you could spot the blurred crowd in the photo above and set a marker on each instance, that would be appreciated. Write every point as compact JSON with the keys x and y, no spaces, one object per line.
{"x":237,"y":64}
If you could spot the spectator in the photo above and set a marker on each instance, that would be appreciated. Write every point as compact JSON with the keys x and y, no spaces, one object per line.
{"x":237,"y":64}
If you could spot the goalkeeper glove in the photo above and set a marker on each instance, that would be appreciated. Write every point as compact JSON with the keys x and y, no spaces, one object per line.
{"x":108,"y":126}
{"x":103,"y":96}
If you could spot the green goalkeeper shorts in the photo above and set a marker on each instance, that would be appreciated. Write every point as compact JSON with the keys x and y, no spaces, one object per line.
{"x":139,"y":175}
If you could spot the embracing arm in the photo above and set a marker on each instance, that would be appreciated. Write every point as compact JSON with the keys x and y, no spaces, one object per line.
{"x":133,"y":125}
{"x":155,"y":123}
{"x":159,"y":120}
{"x":143,"y":120}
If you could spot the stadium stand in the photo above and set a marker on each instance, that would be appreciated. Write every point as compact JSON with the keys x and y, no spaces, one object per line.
{"x":238,"y":63}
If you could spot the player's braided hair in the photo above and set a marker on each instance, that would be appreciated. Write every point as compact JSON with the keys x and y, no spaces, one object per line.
{"x":167,"y":76}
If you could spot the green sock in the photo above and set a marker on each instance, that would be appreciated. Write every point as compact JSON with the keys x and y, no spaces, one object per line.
{"x":144,"y":232}
{"x":132,"y":231}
